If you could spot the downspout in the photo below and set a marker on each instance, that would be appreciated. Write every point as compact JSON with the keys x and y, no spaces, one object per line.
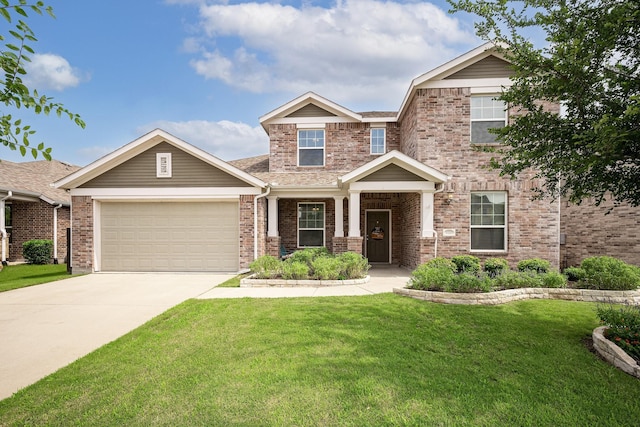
{"x":255,"y":220}
{"x":3,"y":231}
{"x":55,"y":233}
{"x":435,"y":232}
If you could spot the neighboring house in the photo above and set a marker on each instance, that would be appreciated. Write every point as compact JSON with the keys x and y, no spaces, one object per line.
{"x":399,"y":187}
{"x":31,"y":208}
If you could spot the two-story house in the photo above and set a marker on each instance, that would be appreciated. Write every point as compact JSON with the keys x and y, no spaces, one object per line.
{"x":399,"y":187}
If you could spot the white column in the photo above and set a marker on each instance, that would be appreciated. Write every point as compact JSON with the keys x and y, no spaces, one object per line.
{"x":272,"y":209}
{"x":426,"y":207}
{"x":339,"y":214}
{"x":354,"y":214}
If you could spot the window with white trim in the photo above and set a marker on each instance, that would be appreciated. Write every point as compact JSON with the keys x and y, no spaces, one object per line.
{"x":378,"y":140}
{"x":311,"y":147}
{"x":487,"y":112}
{"x":489,"y":221}
{"x":163,"y":165}
{"x":311,"y":226}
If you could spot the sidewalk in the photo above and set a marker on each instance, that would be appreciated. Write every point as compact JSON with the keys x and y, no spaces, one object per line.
{"x":382,"y":279}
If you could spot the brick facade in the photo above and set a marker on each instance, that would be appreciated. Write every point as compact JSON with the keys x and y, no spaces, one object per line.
{"x":82,"y":234}
{"x":34,"y":220}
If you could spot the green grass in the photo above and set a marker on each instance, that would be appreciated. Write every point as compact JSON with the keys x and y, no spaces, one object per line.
{"x":234,"y":282}
{"x":379,"y":360}
{"x":23,"y":275}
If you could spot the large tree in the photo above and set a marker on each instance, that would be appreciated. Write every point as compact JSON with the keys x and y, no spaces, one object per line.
{"x":14,"y":94}
{"x":589,"y":61}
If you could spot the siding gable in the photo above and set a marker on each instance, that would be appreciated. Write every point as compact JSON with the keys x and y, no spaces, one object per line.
{"x":187,"y":171}
{"x":311,"y":110}
{"x":489,"y":67}
{"x":391,"y":173}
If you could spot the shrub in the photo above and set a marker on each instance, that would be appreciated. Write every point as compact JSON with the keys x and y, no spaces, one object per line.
{"x":468,"y":282}
{"x":295,"y":270}
{"x":265,"y":267}
{"x":441,"y":262}
{"x":326,"y":268}
{"x":554,"y":279}
{"x":307,"y":255}
{"x":574,"y":274}
{"x":428,"y":278}
{"x":38,"y":251}
{"x":623,"y":327}
{"x":466,"y":263}
{"x":354,"y":265}
{"x":495,"y":266}
{"x":518,"y":279}
{"x":534,"y":264}
{"x":604,"y":272}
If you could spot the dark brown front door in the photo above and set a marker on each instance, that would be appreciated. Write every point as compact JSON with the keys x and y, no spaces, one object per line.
{"x":378,"y":235}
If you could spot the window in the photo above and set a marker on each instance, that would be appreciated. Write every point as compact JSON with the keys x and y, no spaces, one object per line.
{"x":489,"y":221}
{"x":486,"y":113}
{"x":310,"y":225}
{"x":377,"y":140}
{"x":311,"y":147}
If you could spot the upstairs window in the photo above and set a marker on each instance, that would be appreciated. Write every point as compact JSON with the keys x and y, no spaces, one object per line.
{"x":489,"y":221}
{"x":311,"y":147}
{"x":310,"y":225}
{"x":378,"y":141}
{"x":486,"y":113}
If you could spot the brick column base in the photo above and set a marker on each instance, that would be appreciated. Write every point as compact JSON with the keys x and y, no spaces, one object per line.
{"x":354,"y":244}
{"x":273,"y":246}
{"x":339,"y":245}
{"x":427,"y":249}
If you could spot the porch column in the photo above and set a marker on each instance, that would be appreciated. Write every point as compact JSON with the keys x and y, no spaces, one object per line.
{"x":339,"y":216}
{"x":426,"y":207}
{"x":354,"y":213}
{"x":272,"y":209}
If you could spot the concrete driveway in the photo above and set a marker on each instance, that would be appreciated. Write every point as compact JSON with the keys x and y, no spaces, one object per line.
{"x":44,"y":328}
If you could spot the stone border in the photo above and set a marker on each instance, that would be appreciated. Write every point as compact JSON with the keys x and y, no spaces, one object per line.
{"x":248,"y":282}
{"x":613,"y":354}
{"x":509,"y":295}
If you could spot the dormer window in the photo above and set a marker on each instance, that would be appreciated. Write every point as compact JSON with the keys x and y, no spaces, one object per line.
{"x":311,"y":147}
{"x":487,"y":112}
{"x":378,"y":141}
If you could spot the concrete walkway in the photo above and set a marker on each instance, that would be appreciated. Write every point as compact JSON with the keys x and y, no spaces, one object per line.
{"x":44,"y":328}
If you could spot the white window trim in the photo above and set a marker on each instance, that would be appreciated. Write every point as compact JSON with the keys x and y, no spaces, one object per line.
{"x":324,"y":225}
{"x":324,"y":147}
{"x":384,"y":141}
{"x":471,"y":121}
{"x":505,"y":226}
{"x":166,"y":159}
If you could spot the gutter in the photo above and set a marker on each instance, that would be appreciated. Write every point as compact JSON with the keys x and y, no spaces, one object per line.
{"x":3,"y":230}
{"x":435,"y":232}
{"x":255,"y":220}
{"x":55,"y":233}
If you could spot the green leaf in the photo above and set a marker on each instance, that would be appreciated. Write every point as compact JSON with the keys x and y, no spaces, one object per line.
{"x":23,"y":150}
{"x":5,"y":14}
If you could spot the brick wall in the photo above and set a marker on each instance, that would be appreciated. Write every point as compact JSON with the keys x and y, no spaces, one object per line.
{"x":34,"y":220}
{"x":82,"y":234}
{"x":590,"y":231}
{"x":246,"y":231}
{"x":288,"y":221}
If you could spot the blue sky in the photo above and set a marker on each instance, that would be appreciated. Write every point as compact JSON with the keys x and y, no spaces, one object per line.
{"x":206,"y":71}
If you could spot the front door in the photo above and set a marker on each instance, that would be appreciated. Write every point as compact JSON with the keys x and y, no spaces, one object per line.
{"x":378,"y":236}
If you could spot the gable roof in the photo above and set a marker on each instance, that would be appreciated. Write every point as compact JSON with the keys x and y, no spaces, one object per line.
{"x":399,"y":159}
{"x":142,"y":144}
{"x":33,"y":181}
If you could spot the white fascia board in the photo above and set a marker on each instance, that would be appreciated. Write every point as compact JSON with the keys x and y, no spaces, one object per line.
{"x":402,"y":160}
{"x":165,"y":192}
{"x":476,"y":85}
{"x":390,"y":119}
{"x":307,"y":192}
{"x":393,"y":186}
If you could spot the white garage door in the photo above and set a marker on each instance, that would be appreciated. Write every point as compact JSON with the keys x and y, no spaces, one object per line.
{"x":158,"y":236}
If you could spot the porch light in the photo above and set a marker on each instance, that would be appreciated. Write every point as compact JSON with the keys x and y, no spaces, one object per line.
{"x":449,"y":197}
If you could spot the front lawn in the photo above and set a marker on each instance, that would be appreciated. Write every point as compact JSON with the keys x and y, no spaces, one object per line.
{"x":23,"y":275}
{"x":344,"y":361}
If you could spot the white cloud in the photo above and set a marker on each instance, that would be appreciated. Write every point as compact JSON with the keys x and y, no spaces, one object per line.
{"x":348,"y":50}
{"x":50,"y":71}
{"x":224,"y":139}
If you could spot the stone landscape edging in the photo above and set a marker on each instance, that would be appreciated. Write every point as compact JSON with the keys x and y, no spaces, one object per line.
{"x":509,"y":295}
{"x":248,"y":282}
{"x":613,"y":354}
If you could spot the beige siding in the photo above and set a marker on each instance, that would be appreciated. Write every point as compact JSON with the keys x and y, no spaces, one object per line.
{"x":490,"y":67}
{"x":392,"y":173}
{"x":311,"y":110}
{"x":187,"y":171}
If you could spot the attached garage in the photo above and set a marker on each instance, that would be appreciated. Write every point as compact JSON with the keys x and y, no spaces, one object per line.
{"x":169,"y":236}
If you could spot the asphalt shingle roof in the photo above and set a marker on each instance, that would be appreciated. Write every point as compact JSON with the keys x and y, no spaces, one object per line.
{"x":36,"y":178}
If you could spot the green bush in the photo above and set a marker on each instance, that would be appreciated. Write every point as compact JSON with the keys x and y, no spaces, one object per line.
{"x":604,"y":272}
{"x":518,"y":279}
{"x":429,"y":278}
{"x":295,"y":270}
{"x":354,"y":265}
{"x":469,"y":282}
{"x":534,"y":264}
{"x":623,"y":327}
{"x":441,"y":262}
{"x":495,"y":266}
{"x":326,"y":268}
{"x":265,"y":267}
{"x":553,"y":279}
{"x":574,"y":274}
{"x":466,"y":263}
{"x":308,"y":255}
{"x":38,"y":251}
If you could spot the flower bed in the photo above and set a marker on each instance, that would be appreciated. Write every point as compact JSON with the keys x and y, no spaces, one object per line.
{"x":614,"y":354}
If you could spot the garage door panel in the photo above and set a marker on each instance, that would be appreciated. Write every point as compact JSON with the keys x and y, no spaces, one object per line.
{"x":158,"y":236}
